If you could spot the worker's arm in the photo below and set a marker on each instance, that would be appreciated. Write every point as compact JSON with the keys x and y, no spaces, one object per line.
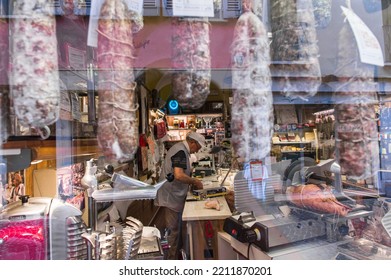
{"x":180,"y":175}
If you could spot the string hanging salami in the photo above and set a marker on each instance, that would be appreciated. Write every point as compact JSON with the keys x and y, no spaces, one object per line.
{"x":191,"y":61}
{"x":357,"y":148}
{"x":294,"y":48}
{"x":34,"y":76}
{"x":252,"y":107}
{"x":117,"y":119}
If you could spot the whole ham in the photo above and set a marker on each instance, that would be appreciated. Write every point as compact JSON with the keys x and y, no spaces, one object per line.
{"x":252,"y":107}
{"x":34,"y":77}
{"x":316,"y":198}
{"x":191,"y":62}
{"x":117,"y":119}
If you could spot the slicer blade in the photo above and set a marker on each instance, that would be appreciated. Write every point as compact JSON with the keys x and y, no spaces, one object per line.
{"x":386,"y":222}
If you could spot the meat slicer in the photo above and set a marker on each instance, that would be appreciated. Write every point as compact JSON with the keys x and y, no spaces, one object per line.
{"x":118,"y":241}
{"x":40,"y":228}
{"x":268,"y":220}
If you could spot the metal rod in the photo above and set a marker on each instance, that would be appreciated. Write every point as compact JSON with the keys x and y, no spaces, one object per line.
{"x":91,"y":95}
{"x":154,"y":216}
{"x":91,"y":213}
{"x":229,"y":170}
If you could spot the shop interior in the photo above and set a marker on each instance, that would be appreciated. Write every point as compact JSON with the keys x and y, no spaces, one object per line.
{"x":96,"y":208}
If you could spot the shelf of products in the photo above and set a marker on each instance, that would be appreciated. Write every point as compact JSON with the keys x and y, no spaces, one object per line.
{"x":180,"y":125}
{"x":52,"y":149}
{"x":291,"y":143}
{"x":189,"y":121}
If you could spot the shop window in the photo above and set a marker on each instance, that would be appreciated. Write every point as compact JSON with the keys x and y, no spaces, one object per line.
{"x":231,"y":8}
{"x":151,"y":8}
{"x":167,"y":8}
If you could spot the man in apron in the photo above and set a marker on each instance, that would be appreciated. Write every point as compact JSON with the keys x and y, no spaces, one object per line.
{"x":172,"y":195}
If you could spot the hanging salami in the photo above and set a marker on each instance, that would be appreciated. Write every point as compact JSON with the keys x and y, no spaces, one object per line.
{"x":4,"y":56}
{"x":117,"y":119}
{"x":191,"y":62}
{"x":34,"y":76}
{"x":252,"y":107}
{"x":294,"y":48}
{"x":357,"y":148}
{"x":4,"y":89}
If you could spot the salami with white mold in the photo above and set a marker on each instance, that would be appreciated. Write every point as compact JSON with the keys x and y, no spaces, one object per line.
{"x":117,"y":118}
{"x":191,"y":62}
{"x":252,"y":107}
{"x":34,"y":76}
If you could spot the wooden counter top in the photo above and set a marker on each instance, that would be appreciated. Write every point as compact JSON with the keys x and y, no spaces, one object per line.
{"x":195,"y":210}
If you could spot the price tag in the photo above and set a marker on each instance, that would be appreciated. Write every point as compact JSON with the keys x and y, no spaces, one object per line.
{"x":193,"y":8}
{"x":256,"y":170}
{"x":75,"y":58}
{"x":135,"y":5}
{"x":367,"y":43}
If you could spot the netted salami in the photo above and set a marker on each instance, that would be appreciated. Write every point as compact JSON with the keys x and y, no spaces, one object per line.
{"x":34,"y":76}
{"x":294,"y":48}
{"x":252,"y":107}
{"x":357,"y":148}
{"x":191,"y":62}
{"x":117,"y":119}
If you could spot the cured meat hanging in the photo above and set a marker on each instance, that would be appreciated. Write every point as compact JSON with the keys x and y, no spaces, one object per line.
{"x":117,"y":119}
{"x":191,"y":62}
{"x":316,"y":198}
{"x":252,"y":107}
{"x":294,"y":48}
{"x":4,"y":89}
{"x":4,"y":56}
{"x":357,"y":147}
{"x":34,"y":76}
